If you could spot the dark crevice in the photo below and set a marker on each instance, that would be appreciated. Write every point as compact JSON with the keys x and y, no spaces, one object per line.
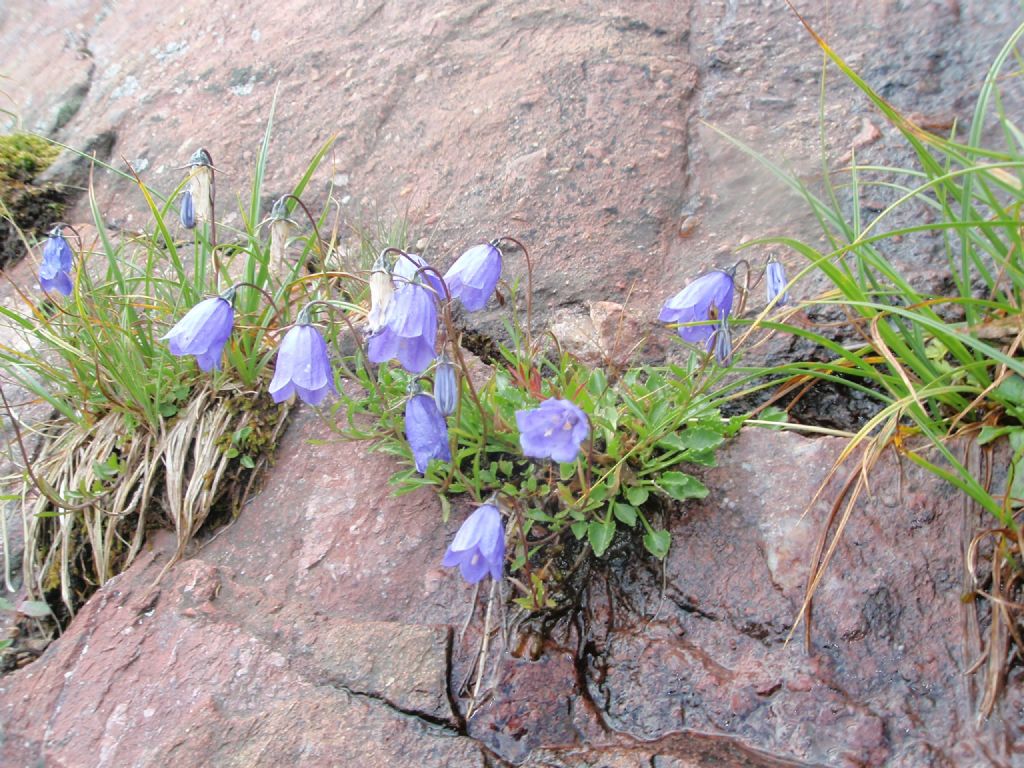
{"x":430,"y":722}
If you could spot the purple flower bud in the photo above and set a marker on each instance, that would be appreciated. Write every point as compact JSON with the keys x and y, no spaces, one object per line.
{"x":55,"y":271}
{"x":409,"y":266}
{"x":203,"y":332}
{"x":188,"y":210}
{"x":426,"y":431}
{"x":410,"y":330}
{"x":555,"y":430}
{"x":446,"y":385}
{"x":707,"y":298}
{"x":473,"y":276}
{"x":302,"y":367}
{"x":479,"y":546}
{"x":721,"y":341}
{"x":382,"y":291}
{"x":775,"y":280}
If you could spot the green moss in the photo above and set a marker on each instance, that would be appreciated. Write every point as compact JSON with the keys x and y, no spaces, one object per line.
{"x":22,"y":157}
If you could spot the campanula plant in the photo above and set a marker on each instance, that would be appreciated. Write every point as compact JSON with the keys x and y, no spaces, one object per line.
{"x":58,"y":260}
{"x":701,"y":303}
{"x":554,"y":430}
{"x":478,"y":548}
{"x":204,"y":331}
{"x":409,"y":333}
{"x":474,"y":276}
{"x":302,"y":366}
{"x":426,"y":431}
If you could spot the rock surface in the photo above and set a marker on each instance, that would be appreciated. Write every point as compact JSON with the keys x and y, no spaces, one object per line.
{"x":319,"y":628}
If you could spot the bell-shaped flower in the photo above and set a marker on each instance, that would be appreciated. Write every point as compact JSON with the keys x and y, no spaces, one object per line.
{"x":426,"y":431}
{"x":188,"y":210}
{"x":203,"y":332}
{"x":410,"y":330}
{"x":706,"y":299}
{"x":775,"y":280}
{"x":479,"y":546}
{"x":55,"y":271}
{"x":382,"y":291}
{"x":473,"y":276}
{"x":302,"y":366}
{"x":446,"y":385}
{"x":409,"y":266}
{"x":555,"y":430}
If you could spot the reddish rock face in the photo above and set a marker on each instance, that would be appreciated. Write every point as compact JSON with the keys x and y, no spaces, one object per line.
{"x":318,"y":629}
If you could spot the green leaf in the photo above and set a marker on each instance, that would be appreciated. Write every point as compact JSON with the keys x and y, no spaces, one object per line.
{"x":624,"y":513}
{"x":601,"y":534}
{"x":6,"y":605}
{"x":988,"y":434}
{"x":579,"y":528}
{"x":168,"y":409}
{"x":36,"y":609}
{"x":247,"y":461}
{"x":637,"y":495}
{"x":774,"y":414}
{"x":657,"y":543}
{"x":446,"y":507}
{"x":566,"y":471}
{"x":5,"y":644}
{"x":681,"y":486}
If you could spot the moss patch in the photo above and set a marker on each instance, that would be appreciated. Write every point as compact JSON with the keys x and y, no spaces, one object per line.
{"x":25,"y":207}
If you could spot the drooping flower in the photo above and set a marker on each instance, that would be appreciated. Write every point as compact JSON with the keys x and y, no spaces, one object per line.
{"x":426,"y":431}
{"x":188,"y":210}
{"x":203,"y":331}
{"x":775,"y":280}
{"x":446,"y":385}
{"x":707,"y":298}
{"x":473,"y":276}
{"x":554,"y":430}
{"x":410,"y":265}
{"x":410,"y":330}
{"x":302,"y":366}
{"x":479,"y":546}
{"x":382,"y":291}
{"x":55,"y":271}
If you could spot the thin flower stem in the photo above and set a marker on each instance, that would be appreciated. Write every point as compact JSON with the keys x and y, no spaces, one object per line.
{"x":529,"y":290}
{"x":316,"y":231}
{"x":482,"y":657}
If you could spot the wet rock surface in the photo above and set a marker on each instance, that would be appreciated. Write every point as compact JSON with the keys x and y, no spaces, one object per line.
{"x":319,"y":628}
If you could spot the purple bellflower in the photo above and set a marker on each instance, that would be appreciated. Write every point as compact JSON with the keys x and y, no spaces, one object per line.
{"x":426,"y":431}
{"x":55,"y":271}
{"x":409,"y":265}
{"x":555,"y":430}
{"x":707,"y":298}
{"x":410,"y":330}
{"x":302,"y":366}
{"x":203,"y":331}
{"x":188,"y":210}
{"x":446,"y":385}
{"x":473,"y":276}
{"x":479,"y":546}
{"x":775,"y":280}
